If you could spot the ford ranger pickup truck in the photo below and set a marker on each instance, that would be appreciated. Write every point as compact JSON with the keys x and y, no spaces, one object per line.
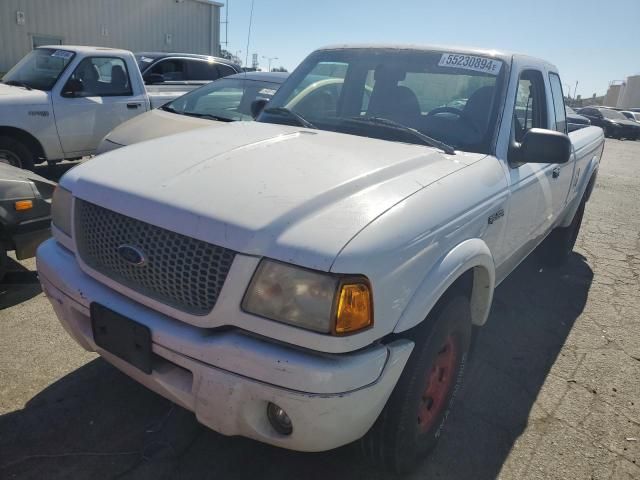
{"x":312,"y":279}
{"x":58,"y":102}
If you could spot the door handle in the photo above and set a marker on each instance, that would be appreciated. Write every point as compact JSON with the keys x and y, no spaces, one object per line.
{"x":133,"y":105}
{"x":555,"y":173}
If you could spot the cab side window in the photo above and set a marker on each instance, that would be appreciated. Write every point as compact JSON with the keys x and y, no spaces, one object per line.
{"x":171,"y":69}
{"x":201,"y":70}
{"x":225,"y":70}
{"x":558,"y":103}
{"x":99,"y":77}
{"x":531,"y":106}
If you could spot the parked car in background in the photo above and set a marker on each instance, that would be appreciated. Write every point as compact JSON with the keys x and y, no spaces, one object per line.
{"x":310,"y":280}
{"x":162,"y":68}
{"x":575,"y":121}
{"x":226,"y":100}
{"x":59,"y":101}
{"x":634,"y":116}
{"x":25,"y":212}
{"x":614,"y":123}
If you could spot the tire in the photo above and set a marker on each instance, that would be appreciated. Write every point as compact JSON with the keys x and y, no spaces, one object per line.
{"x":557,"y":247}
{"x":15,"y":153}
{"x":413,"y":419}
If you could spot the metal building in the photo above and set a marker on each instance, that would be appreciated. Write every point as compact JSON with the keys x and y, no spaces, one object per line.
{"x":630,"y":95}
{"x":187,"y":26}
{"x":613,"y":93}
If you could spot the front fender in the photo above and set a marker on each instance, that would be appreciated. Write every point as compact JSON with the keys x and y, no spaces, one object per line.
{"x":472,"y":254}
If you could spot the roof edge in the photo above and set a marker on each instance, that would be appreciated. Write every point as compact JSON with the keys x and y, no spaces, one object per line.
{"x":211,"y":2}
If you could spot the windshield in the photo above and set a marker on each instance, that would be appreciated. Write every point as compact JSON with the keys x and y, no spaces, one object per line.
{"x":227,"y":98}
{"x":570,"y":110}
{"x":449,"y":97}
{"x":612,"y":114}
{"x":40,"y":68}
{"x":143,"y":62}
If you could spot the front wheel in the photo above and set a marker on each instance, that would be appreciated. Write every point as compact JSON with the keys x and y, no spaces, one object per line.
{"x":15,"y":153}
{"x":415,"y":414}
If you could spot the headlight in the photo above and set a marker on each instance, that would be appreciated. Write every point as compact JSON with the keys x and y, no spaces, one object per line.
{"x":305,"y":298}
{"x":61,"y":209}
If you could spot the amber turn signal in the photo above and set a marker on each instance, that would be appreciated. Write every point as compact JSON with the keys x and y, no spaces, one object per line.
{"x":354,"y":311}
{"x":22,"y":205}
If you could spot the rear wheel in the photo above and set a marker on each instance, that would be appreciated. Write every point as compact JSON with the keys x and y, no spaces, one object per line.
{"x":15,"y":153}
{"x":556,"y":248}
{"x":414,"y":417}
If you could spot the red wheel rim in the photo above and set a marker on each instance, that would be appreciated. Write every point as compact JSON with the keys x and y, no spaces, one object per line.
{"x":439,"y":382}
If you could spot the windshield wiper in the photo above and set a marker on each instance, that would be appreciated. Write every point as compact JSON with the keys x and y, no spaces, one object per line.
{"x":295,"y":115}
{"x":170,"y":109}
{"x":208,"y":116}
{"x":16,"y":83}
{"x":446,"y":148}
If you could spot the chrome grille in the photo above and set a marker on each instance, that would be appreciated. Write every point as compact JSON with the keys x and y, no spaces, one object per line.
{"x":179,"y":271}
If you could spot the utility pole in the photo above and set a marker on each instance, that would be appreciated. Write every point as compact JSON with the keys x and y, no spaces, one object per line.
{"x":269,"y":60}
{"x":226,"y":26}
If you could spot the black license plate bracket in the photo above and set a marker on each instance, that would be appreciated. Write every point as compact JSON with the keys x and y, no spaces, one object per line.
{"x":121,"y":336}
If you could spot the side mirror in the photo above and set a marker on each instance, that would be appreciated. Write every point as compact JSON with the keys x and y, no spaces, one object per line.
{"x":544,"y":146}
{"x":257,"y":106}
{"x":72,"y":88}
{"x":152,"y":78}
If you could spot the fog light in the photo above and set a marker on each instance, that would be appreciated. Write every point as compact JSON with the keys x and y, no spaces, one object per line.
{"x":279,"y":419}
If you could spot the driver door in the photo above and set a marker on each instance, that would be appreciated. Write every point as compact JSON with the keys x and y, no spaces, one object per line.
{"x":96,"y":98}
{"x":530,"y":210}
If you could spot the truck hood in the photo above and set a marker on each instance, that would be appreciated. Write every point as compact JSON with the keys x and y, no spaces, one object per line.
{"x":10,"y":94}
{"x":288,"y":193}
{"x":154,"y":124}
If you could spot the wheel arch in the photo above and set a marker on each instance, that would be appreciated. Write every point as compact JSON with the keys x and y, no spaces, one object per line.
{"x":468,"y":267}
{"x":25,"y":137}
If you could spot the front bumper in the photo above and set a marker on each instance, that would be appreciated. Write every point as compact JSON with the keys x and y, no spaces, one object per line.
{"x":227,"y":378}
{"x":26,"y":236}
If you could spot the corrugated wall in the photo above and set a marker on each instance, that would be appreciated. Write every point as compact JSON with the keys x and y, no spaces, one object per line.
{"x":630,"y":96}
{"x":131,"y":24}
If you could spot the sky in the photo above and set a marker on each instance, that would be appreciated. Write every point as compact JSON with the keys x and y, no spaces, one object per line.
{"x":592,"y":42}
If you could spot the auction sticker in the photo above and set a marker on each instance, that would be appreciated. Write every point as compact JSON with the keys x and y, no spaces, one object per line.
{"x":62,"y":54}
{"x":470,"y":62}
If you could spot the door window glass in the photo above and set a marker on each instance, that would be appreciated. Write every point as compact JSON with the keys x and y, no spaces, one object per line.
{"x":99,"y":77}
{"x":225,"y":70}
{"x":530,"y":109}
{"x":558,"y":103}
{"x":199,"y":70}
{"x":172,"y":70}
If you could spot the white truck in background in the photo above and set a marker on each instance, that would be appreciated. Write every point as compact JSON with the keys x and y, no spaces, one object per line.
{"x":312,"y":278}
{"x":59,"y":101}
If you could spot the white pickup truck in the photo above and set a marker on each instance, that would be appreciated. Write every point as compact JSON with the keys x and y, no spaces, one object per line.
{"x":59,"y":102}
{"x":312,"y":278}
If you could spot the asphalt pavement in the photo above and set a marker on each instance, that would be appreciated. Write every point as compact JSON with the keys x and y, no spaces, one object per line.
{"x":553,"y":390}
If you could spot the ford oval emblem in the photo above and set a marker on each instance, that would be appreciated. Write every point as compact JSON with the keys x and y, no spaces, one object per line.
{"x":132,"y":255}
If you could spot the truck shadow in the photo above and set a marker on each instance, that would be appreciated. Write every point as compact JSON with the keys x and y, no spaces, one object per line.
{"x":18,"y":285}
{"x":121,"y":430}
{"x":55,"y":171}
